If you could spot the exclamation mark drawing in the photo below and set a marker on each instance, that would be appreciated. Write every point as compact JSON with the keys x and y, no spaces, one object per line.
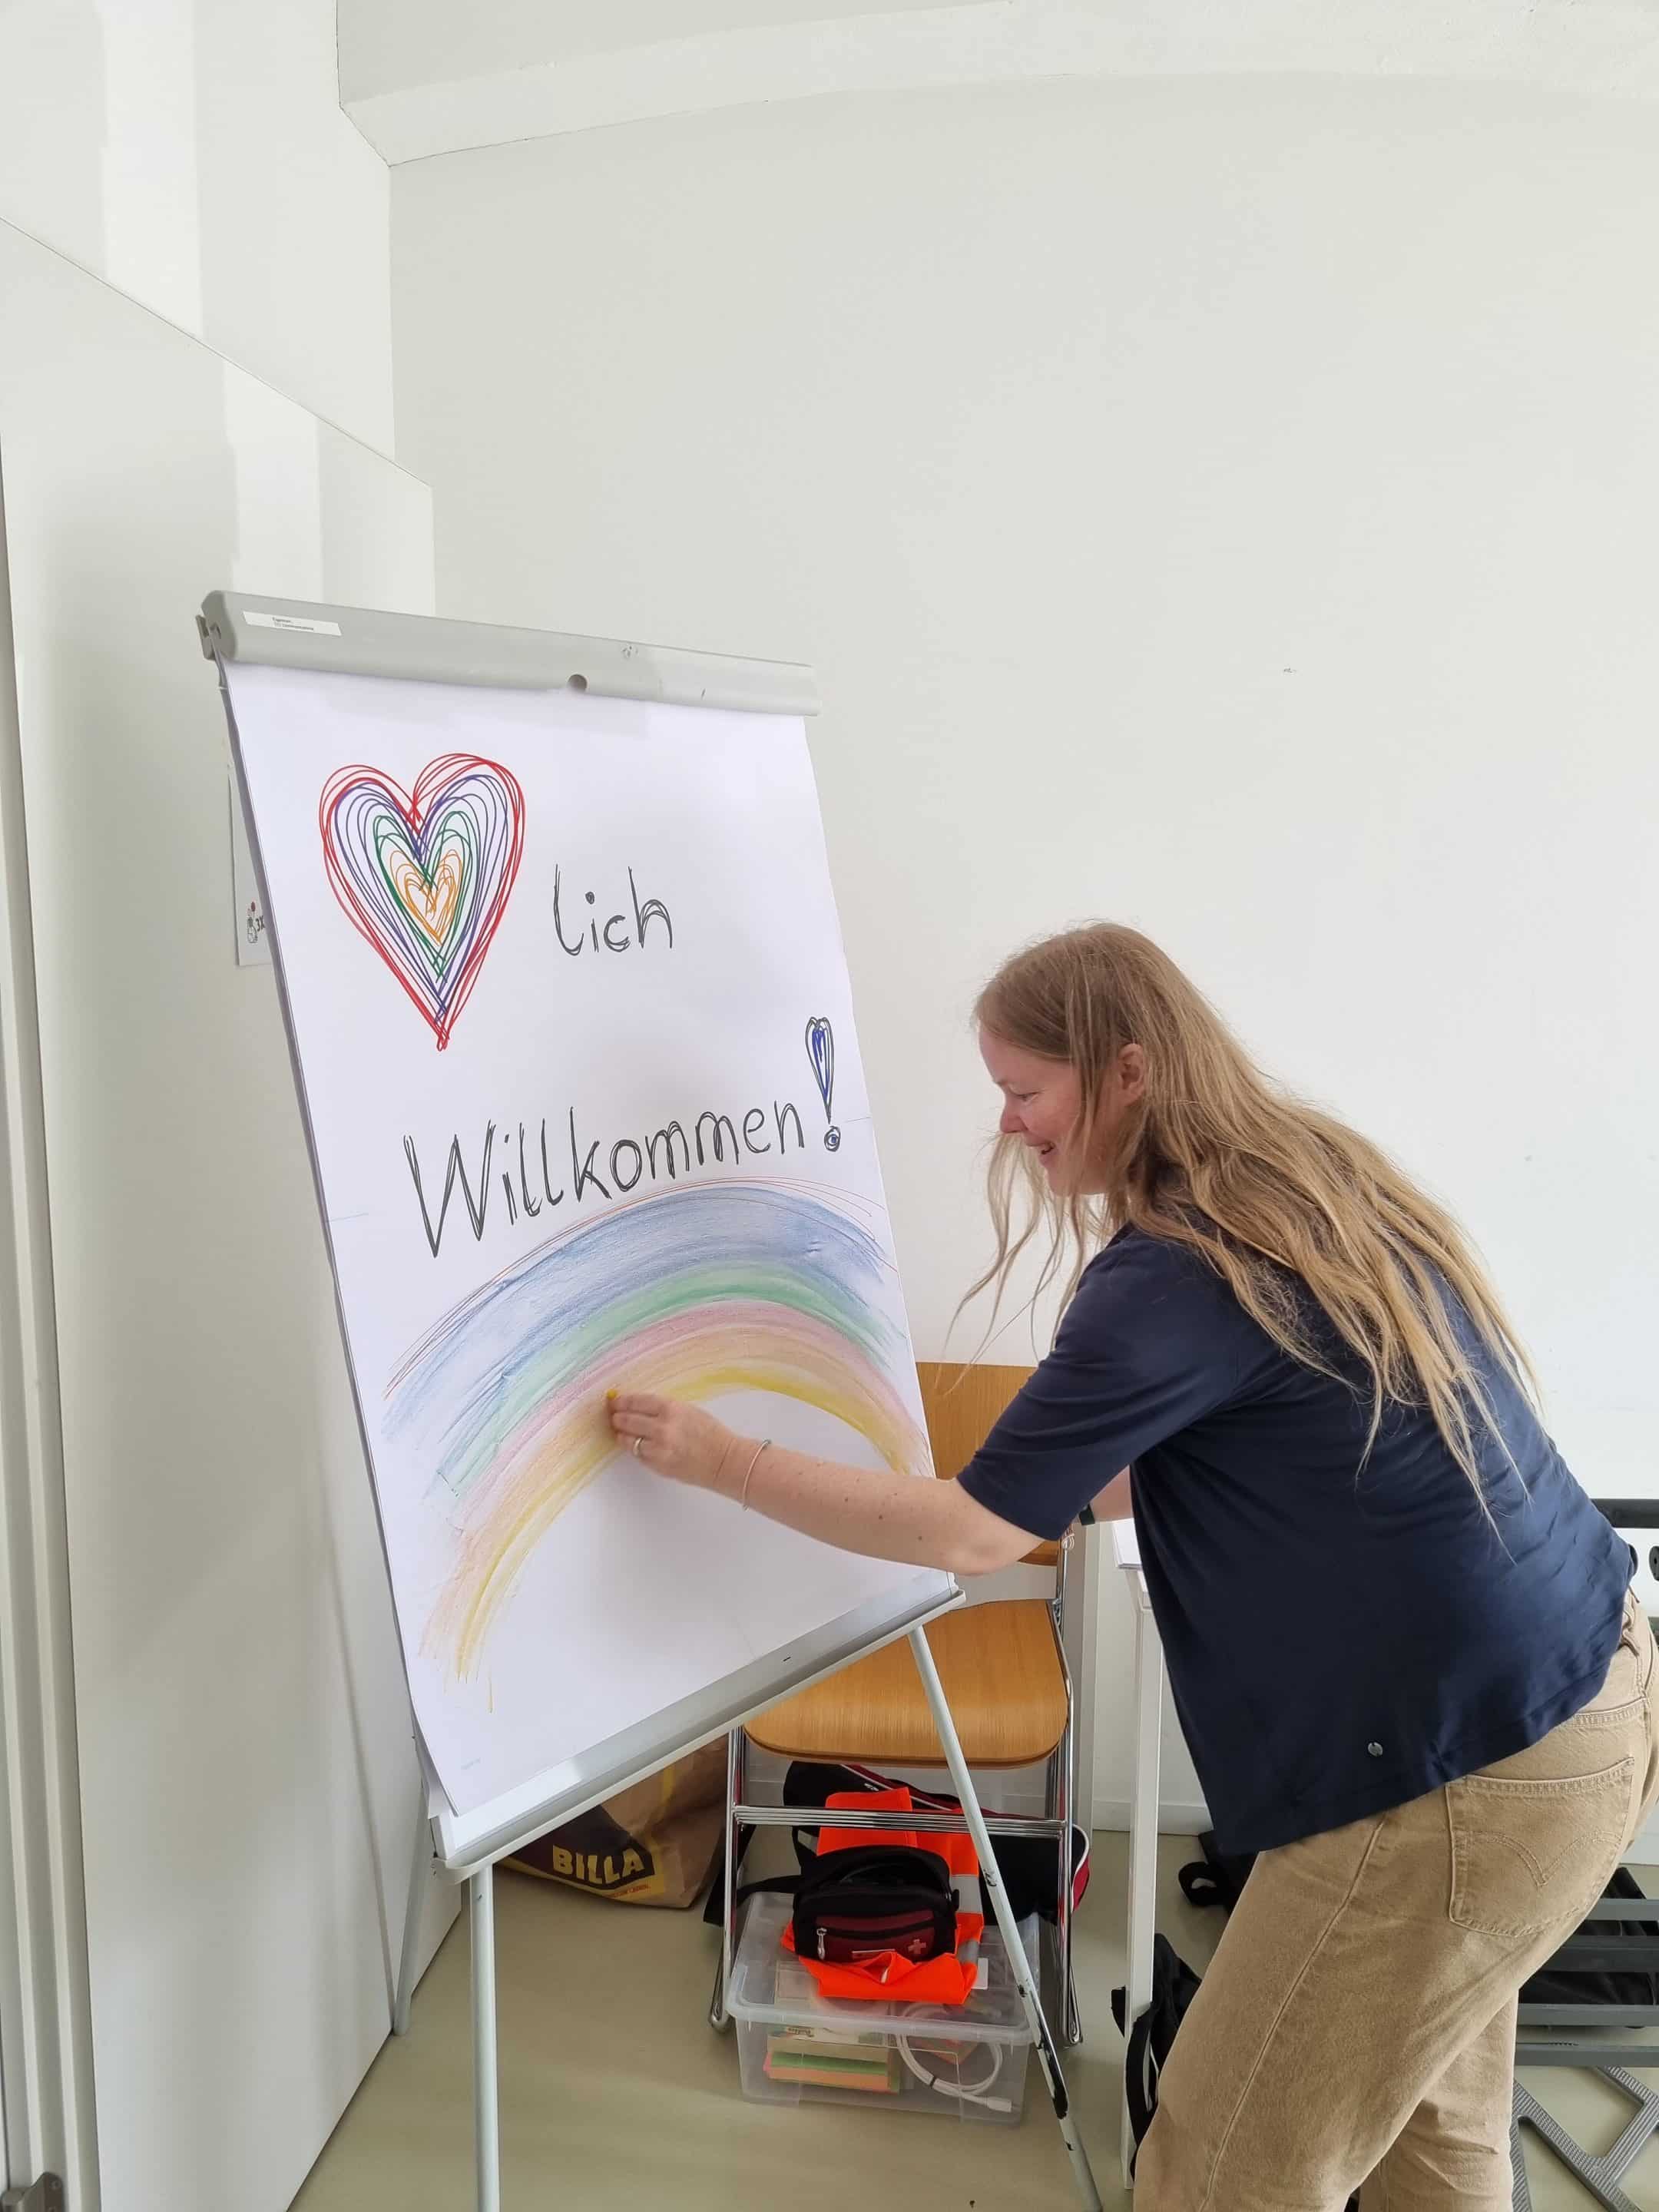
{"x":821,"y":1051}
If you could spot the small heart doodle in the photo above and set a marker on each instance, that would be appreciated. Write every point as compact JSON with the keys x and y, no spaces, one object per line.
{"x":425,"y":875}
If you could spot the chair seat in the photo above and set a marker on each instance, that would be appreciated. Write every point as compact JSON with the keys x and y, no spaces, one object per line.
{"x":1002,"y":1680}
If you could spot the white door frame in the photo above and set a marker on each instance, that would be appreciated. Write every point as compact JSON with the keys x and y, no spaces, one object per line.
{"x":46,"y":2018}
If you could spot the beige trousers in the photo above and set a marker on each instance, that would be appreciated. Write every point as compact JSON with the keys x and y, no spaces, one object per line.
{"x":1357,"y":2026}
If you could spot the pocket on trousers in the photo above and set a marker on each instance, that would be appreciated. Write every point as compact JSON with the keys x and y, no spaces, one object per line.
{"x":1528,"y":1854}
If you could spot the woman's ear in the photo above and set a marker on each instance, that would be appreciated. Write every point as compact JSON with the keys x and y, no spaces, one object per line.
{"x":1132,"y":1073}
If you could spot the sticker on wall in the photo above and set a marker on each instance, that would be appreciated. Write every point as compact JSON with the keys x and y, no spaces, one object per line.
{"x":252,"y":944}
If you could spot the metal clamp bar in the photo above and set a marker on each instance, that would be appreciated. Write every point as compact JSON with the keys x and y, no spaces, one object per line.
{"x":244,"y":627}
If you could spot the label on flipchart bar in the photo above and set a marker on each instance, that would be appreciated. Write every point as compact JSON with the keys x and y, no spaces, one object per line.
{"x":290,"y":622}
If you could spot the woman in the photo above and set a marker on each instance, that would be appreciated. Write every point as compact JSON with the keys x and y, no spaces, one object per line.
{"x":1399,"y":1633}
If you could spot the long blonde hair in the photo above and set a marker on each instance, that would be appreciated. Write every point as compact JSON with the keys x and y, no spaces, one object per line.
{"x":1271,"y":1192}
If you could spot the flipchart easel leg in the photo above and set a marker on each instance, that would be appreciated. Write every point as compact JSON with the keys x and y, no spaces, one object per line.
{"x":719,"y":2017}
{"x":1143,"y":1837}
{"x":1048,"y":2056}
{"x":481,"y":1918}
{"x":420,"y":1868}
{"x":486,"y":2116}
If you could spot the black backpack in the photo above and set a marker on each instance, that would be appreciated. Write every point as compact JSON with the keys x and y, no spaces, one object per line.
{"x":1558,"y":1981}
{"x":1174,"y":1987}
{"x":1216,"y":1878}
{"x":1219,"y":1878}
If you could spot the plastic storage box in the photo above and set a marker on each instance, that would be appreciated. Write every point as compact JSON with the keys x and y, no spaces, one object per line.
{"x":797,"y":2047}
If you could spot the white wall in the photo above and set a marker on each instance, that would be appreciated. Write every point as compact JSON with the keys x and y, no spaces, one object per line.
{"x":1226,"y":506}
{"x":195,"y":387}
{"x":192,"y":152}
{"x":385,"y":45}
{"x":246,"y":1774}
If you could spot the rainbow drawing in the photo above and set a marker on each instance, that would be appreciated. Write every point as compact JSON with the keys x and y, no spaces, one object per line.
{"x":712,"y":1288}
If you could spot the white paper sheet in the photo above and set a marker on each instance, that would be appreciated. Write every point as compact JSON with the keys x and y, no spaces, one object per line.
{"x":584,"y":1091}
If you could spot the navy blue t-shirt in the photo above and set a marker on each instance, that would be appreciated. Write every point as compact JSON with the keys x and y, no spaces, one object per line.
{"x":1340,"y":1637}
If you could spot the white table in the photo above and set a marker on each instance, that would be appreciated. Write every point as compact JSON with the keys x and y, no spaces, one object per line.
{"x":1142,"y":1798}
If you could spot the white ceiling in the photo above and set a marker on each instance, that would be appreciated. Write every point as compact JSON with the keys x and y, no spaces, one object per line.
{"x":430,"y":76}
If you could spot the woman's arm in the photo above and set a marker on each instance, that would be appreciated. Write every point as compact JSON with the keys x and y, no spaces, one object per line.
{"x":859,"y":1509}
{"x":1113,"y":1504}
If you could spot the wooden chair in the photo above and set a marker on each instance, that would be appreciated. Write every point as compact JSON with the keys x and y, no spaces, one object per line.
{"x":1003,"y":1668}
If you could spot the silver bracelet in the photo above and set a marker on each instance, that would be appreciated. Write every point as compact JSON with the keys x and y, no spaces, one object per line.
{"x":743,"y":1495}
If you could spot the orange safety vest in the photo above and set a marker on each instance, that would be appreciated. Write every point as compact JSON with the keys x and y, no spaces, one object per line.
{"x":949,"y":1980}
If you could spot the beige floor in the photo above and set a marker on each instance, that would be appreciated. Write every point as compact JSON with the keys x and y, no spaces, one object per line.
{"x":615,"y":2094}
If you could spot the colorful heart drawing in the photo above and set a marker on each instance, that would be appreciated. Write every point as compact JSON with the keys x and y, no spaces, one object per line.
{"x":425,"y":875}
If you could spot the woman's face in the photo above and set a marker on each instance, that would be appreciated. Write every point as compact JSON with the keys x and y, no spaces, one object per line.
{"x":1043,"y":1100}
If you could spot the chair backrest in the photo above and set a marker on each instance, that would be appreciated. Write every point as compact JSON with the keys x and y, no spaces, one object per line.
{"x":962,"y":1404}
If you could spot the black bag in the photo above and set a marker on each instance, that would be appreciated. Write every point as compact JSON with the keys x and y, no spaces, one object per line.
{"x":1174,"y":1987}
{"x":1555,"y":1984}
{"x":854,"y":1904}
{"x":1219,"y":1877}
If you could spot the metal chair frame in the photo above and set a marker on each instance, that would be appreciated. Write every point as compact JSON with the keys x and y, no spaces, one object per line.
{"x":1057,"y":1820}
